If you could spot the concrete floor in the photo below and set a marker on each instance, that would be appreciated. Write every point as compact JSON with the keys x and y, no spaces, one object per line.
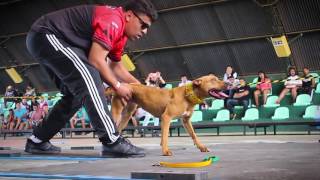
{"x":241,"y":157}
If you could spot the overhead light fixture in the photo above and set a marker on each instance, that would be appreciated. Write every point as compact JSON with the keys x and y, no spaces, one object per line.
{"x":126,"y":61}
{"x":14,"y":75}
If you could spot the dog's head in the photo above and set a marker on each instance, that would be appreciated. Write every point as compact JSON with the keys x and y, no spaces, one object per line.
{"x":209,"y":85}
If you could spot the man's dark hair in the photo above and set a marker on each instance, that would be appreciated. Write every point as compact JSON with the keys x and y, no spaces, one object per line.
{"x":142,"y":6}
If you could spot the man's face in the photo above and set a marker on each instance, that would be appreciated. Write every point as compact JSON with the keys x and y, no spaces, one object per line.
{"x":306,"y":71}
{"x":137,"y":25}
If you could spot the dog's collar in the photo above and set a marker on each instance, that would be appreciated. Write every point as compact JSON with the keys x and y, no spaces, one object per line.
{"x":191,"y":96}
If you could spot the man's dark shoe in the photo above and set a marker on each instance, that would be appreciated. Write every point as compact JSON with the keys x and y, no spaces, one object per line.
{"x":41,"y":148}
{"x":122,"y":148}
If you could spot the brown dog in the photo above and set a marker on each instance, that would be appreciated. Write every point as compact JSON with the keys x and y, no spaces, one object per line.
{"x":168,"y":104}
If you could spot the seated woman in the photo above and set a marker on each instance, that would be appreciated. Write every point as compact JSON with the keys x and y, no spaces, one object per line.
{"x":263,"y":87}
{"x":292,"y":84}
{"x":308,"y":82}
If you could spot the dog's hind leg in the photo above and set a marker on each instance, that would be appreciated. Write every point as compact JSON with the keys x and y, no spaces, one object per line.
{"x":188,"y":126}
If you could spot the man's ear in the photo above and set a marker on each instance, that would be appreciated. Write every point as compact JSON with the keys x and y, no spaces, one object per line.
{"x":128,"y":15}
{"x":197,"y":82}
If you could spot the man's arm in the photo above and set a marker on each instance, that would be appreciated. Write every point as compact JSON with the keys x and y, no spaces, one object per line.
{"x":97,"y":58}
{"x":121,"y":72}
{"x":240,"y":95}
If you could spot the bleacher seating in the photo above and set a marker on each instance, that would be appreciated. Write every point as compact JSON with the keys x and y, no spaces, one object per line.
{"x":222,"y":115}
{"x":281,"y":113}
{"x":217,"y":104}
{"x":251,"y":115}
{"x":303,"y":100}
{"x":310,"y":112}
{"x":196,"y":116}
{"x":271,"y":101}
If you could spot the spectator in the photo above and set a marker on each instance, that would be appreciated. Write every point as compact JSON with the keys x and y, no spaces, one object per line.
{"x":21,"y":116}
{"x":263,"y":87}
{"x":24,"y":104}
{"x":36,"y":116}
{"x":230,"y":78}
{"x":229,"y":73}
{"x":292,"y":84}
{"x":308,"y":82}
{"x":155,"y":80}
{"x":11,"y":119}
{"x":10,"y":95}
{"x":184,"y":80}
{"x":241,"y":96}
{"x":79,"y":116}
{"x":141,"y":114}
{"x":30,"y":91}
{"x":3,"y":122}
{"x":43,"y":104}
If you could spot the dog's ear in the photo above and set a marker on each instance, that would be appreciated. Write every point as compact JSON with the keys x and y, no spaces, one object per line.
{"x":197,"y":82}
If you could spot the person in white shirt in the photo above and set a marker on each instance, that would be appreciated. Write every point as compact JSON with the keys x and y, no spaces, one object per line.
{"x":292,"y":84}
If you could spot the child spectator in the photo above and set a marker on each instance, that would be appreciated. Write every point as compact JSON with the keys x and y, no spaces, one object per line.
{"x":11,"y":119}
{"x":21,"y":116}
{"x":36,"y":116}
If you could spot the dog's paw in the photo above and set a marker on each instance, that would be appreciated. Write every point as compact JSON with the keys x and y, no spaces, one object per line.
{"x":204,"y":149}
{"x":167,"y":153}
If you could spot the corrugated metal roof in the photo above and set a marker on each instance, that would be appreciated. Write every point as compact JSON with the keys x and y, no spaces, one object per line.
{"x":299,"y":15}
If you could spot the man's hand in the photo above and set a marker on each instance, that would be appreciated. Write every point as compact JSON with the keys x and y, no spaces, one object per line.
{"x":124,"y":91}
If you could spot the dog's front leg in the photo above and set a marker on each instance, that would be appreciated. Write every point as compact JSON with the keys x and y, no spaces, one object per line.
{"x":165,"y":125}
{"x":188,"y":126}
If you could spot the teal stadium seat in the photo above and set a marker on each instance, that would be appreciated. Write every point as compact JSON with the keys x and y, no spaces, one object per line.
{"x":318,"y":89}
{"x":251,"y":115}
{"x":168,"y":86}
{"x":271,"y":101}
{"x":281,"y":113}
{"x":310,"y":112}
{"x":196,"y":116}
{"x":222,"y":115}
{"x":303,"y":100}
{"x":217,"y":104}
{"x":316,"y":75}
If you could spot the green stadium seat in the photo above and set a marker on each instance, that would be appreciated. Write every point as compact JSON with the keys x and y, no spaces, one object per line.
{"x":196,"y":116}
{"x":217,"y":104}
{"x":271,"y":101}
{"x":318,"y":88}
{"x":315,"y":75}
{"x":254,"y":81}
{"x":303,"y":100}
{"x":222,"y":115}
{"x":196,"y":107}
{"x":168,"y":86}
{"x":310,"y":112}
{"x":281,"y":113}
{"x":251,"y":114}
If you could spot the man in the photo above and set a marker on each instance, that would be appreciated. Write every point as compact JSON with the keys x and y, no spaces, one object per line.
{"x":81,"y":47}
{"x":241,"y":96}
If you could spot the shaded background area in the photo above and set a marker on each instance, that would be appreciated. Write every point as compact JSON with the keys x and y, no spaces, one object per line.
{"x":192,"y":37}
